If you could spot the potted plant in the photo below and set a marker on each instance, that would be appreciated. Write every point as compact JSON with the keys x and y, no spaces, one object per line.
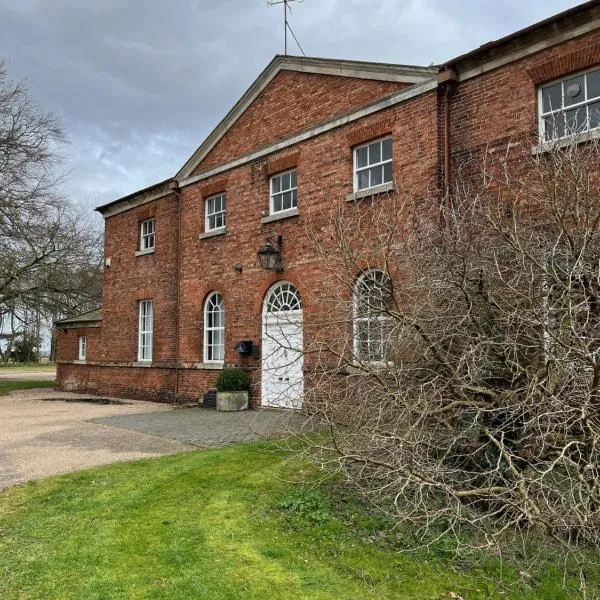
{"x":232,"y":386}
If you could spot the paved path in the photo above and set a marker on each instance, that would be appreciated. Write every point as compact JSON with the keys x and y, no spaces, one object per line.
{"x":44,"y":432}
{"x":206,"y":427}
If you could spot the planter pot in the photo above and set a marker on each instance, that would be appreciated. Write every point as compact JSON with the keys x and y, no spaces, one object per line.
{"x":231,"y":401}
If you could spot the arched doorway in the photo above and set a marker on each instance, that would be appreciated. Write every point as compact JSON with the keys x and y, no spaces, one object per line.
{"x":282,"y":350}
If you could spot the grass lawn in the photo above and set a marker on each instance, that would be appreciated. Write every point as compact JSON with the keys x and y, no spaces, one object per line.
{"x":10,"y":385}
{"x":215,"y":525}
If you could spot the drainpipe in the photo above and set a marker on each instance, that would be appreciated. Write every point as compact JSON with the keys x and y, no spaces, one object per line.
{"x":177,"y":192}
{"x":447,"y":78}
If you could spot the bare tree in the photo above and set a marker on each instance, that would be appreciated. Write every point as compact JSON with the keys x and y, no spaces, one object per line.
{"x":456,"y":354}
{"x":49,"y":253}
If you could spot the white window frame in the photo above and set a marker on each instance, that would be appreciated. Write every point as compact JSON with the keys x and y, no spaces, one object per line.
{"x":148,"y":235}
{"x":357,"y":320}
{"x":215,"y":213}
{"x":357,"y":170}
{"x":82,"y":347}
{"x":563,"y":109}
{"x":281,"y":192}
{"x":214,"y":299}
{"x":145,"y":330}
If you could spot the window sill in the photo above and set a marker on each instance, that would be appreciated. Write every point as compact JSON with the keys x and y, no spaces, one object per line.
{"x":80,"y":361}
{"x":563,"y":142}
{"x":212,"y":233}
{"x":372,"y":191}
{"x":284,"y":214}
{"x":209,"y":366}
{"x":142,"y":363}
{"x":144,"y":252}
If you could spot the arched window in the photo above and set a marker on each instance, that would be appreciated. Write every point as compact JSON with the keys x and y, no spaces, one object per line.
{"x":373,"y":322}
{"x":214,"y":329}
{"x":284,"y":297}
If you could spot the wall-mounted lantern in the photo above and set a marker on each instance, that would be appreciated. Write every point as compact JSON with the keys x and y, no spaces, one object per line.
{"x":270,"y":255}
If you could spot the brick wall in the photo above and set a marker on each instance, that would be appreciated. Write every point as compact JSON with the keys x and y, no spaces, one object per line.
{"x":291,"y":103}
{"x":488,"y":111}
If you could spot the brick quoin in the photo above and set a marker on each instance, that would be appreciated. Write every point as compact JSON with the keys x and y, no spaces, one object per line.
{"x":493,"y":102}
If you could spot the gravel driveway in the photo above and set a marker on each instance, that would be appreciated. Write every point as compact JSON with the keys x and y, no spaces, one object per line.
{"x":44,"y":432}
{"x":40,"y":438}
{"x":39,"y":375}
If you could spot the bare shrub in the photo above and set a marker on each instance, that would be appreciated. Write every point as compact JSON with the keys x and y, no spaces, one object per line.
{"x":456,"y":356}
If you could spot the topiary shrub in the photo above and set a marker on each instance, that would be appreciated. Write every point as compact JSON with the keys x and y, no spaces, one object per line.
{"x":233,"y":380}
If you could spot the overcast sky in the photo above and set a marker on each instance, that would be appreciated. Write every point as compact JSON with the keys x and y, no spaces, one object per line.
{"x":138,"y":84}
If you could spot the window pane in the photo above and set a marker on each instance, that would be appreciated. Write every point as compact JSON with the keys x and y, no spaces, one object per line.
{"x":376,"y":176}
{"x":294,"y":179}
{"x":375,"y":153}
{"x":287,"y":200}
{"x":387,"y":172}
{"x":363,"y":180}
{"x":294,"y":198}
{"x":574,"y":90}
{"x":552,"y":97}
{"x":285,"y":181}
{"x":555,"y":126}
{"x":593,"y":84}
{"x":212,"y":222}
{"x":277,"y":203}
{"x":594,"y":115}
{"x":362,"y":157}
{"x":276,"y":183}
{"x":386,"y":146}
{"x":576,"y":120}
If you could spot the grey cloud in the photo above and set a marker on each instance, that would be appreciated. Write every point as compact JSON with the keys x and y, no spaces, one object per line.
{"x":138,"y":84}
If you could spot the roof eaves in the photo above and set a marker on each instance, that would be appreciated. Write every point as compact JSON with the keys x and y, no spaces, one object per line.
{"x":149,"y":193}
{"x":90,"y":316}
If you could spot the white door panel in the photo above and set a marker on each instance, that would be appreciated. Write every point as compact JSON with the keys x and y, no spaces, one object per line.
{"x":282,"y":360}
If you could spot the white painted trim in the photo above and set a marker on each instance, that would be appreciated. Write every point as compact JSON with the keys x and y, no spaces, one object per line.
{"x":207,"y":215}
{"x":81,"y":348}
{"x":144,"y":252}
{"x":548,"y":42}
{"x":213,"y":329}
{"x":378,"y":189}
{"x":388,"y":102}
{"x":569,"y":140}
{"x":355,"y":168}
{"x":272,"y":211}
{"x":141,"y":331}
{"x":340,"y":68}
{"x":213,"y":233}
{"x":280,"y":216}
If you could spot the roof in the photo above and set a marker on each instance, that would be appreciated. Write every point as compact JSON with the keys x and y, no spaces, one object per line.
{"x":151,"y":192}
{"x":410,"y":74}
{"x":495,"y":44}
{"x":91,"y":316}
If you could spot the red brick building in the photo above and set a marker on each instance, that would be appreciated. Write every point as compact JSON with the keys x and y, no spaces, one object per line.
{"x":183,"y":284}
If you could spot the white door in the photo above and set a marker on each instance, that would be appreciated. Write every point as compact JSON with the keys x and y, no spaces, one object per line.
{"x":282,"y":356}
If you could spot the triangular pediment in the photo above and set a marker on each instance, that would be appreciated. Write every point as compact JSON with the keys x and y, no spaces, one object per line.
{"x":294,"y":93}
